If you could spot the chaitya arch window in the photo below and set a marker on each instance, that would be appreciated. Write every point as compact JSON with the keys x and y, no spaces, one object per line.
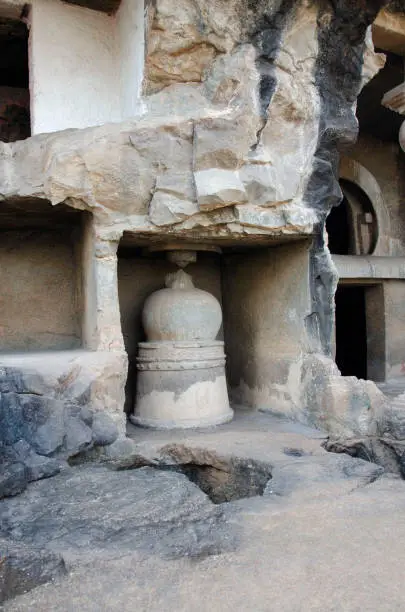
{"x":352,"y":226}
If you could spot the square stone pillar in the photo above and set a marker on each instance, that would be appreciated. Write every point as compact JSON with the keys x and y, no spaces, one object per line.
{"x":107,"y":361}
{"x":101,"y":320}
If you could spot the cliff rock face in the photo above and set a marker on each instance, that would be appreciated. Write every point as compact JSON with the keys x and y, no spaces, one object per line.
{"x":245,"y":106}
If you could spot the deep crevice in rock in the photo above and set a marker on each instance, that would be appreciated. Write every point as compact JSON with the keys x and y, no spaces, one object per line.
{"x":244,"y":479}
{"x":222,"y":479}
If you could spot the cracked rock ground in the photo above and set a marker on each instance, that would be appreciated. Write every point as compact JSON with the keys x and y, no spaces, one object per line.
{"x":325,"y":534}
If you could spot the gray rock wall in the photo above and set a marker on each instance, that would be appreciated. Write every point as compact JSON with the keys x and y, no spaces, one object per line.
{"x":53,"y":407}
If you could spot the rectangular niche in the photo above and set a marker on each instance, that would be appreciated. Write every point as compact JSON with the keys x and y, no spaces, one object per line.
{"x":266,"y":299}
{"x":41,"y":296}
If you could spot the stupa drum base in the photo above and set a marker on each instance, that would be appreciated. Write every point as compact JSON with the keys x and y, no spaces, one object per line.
{"x":181,"y":385}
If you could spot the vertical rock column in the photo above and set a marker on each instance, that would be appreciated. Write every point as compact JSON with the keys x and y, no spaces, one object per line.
{"x":181,"y":368}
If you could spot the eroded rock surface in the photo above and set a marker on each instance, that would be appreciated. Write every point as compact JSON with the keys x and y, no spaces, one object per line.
{"x":23,"y":568}
{"x":243,"y":107}
{"x":154,"y":521}
{"x":90,"y":509}
{"x":48,"y":412}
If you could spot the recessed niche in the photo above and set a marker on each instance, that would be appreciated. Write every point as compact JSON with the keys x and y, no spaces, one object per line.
{"x":40,"y":276}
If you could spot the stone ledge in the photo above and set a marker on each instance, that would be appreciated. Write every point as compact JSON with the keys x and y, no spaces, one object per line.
{"x":369,"y":267}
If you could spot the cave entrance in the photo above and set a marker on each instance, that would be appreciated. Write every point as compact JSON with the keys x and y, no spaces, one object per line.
{"x":360,"y":335}
{"x":14,"y":81}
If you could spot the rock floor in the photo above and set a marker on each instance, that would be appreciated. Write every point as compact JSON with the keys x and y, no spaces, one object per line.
{"x":326,"y":533}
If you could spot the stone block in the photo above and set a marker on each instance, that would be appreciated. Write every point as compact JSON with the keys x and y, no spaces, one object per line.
{"x":218,"y":188}
{"x":43,"y":423}
{"x":37,"y":466}
{"x":11,"y":421}
{"x":121,"y":449}
{"x":394,"y":418}
{"x":17,"y":380}
{"x":86,"y":415}
{"x":178,"y":184}
{"x":265,"y":186}
{"x":167,"y":209}
{"x":340,"y":405}
{"x":104,"y":430}
{"x":300,"y":217}
{"x":221,"y":143}
{"x":13,"y":479}
{"x":78,"y":435}
{"x":260,"y":217}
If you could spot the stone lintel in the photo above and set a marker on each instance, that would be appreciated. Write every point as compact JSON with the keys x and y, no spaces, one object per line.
{"x":369,"y":267}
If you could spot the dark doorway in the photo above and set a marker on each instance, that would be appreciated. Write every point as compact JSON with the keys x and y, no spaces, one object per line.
{"x":337,"y":226}
{"x":14,"y":81}
{"x":351,"y":331}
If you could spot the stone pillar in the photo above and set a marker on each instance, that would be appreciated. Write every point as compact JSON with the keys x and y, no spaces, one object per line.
{"x":181,"y":368}
{"x":101,"y":321}
{"x":105,"y":365}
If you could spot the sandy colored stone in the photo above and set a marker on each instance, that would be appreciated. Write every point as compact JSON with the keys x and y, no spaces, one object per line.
{"x":166,"y":209}
{"x":217,"y":188}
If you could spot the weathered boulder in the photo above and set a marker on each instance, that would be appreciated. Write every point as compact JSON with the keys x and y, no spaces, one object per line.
{"x":52,"y":409}
{"x":90,"y":509}
{"x":104,"y":430}
{"x":341,"y":405}
{"x":13,"y":478}
{"x":37,"y":466}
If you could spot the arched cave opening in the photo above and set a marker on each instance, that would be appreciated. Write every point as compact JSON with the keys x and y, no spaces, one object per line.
{"x":352,"y":226}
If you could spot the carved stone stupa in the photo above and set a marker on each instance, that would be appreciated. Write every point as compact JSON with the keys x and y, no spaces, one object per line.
{"x":181,"y":368}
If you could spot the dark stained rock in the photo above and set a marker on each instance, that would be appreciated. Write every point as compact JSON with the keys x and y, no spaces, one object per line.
{"x":37,"y":466}
{"x":39,"y":430}
{"x":94,"y":508}
{"x":385,"y":452}
{"x":23,"y":568}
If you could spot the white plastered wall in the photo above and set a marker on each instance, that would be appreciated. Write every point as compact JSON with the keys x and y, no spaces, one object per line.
{"x":130,"y":54}
{"x":73,"y":76}
{"x":86,"y":67}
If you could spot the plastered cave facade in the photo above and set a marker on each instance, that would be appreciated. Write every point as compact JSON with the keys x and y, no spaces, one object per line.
{"x":251,"y":138}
